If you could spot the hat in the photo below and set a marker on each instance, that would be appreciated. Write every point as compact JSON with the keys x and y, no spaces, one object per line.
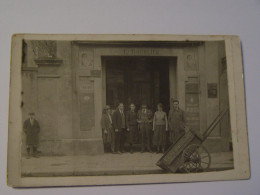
{"x":175,"y":100}
{"x":144,"y":106}
{"x":107,"y":107}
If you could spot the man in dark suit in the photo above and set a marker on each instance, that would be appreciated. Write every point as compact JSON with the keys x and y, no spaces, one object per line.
{"x":107,"y":134}
{"x":119,"y":127}
{"x":31,"y":129}
{"x":176,"y":121}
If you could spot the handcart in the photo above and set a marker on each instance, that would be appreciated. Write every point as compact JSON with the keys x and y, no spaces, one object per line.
{"x":188,"y":154}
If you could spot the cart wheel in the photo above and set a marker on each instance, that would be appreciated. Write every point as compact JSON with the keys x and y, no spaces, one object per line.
{"x":196,"y":158}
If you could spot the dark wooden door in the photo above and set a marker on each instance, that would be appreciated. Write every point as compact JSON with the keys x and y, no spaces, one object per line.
{"x":142,"y":93}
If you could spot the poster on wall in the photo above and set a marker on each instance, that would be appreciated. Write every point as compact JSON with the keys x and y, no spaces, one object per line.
{"x":102,"y":111}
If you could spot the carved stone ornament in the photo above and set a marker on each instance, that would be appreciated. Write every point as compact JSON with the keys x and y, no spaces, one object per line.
{"x":44,"y":49}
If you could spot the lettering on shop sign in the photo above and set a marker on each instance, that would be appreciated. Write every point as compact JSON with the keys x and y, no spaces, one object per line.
{"x":136,"y":51}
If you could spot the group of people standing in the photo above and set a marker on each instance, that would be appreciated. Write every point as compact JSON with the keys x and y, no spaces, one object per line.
{"x":120,"y":128}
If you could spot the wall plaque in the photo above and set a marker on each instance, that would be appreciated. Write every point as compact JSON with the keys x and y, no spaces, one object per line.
{"x":86,"y":85}
{"x":190,"y":62}
{"x":192,"y":111}
{"x":192,"y":88}
{"x":87,"y":60}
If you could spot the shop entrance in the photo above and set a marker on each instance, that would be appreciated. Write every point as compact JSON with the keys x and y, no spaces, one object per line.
{"x":138,"y":80}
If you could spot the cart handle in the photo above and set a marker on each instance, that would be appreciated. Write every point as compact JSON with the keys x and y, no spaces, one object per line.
{"x":214,"y":124}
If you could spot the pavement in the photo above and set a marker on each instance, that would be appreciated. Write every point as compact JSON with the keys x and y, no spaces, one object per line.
{"x":108,"y":164}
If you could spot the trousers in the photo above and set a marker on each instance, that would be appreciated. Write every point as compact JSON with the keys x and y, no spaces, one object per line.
{"x":119,"y":140}
{"x":145,"y":129}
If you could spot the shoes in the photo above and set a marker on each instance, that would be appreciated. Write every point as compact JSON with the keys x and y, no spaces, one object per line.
{"x":36,"y":156}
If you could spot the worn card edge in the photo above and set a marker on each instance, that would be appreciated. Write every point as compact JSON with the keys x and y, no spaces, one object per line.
{"x":237,"y":113}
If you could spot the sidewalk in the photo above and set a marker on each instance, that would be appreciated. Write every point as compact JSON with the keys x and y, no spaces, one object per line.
{"x":108,"y":164}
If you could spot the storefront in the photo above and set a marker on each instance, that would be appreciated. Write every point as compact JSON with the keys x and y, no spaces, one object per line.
{"x":67,"y":84}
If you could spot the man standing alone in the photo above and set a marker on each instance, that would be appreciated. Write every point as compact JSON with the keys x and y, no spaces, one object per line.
{"x":119,"y":125}
{"x":31,"y":129}
{"x":176,"y":121}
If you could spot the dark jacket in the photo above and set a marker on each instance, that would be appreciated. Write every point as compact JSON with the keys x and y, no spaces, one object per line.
{"x":106,"y":124}
{"x":117,"y":120}
{"x":176,"y":121}
{"x":31,"y":132}
{"x":131,"y":119}
{"x":145,"y":118}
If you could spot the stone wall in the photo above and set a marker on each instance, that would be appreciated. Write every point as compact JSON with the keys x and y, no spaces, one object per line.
{"x":214,"y":94}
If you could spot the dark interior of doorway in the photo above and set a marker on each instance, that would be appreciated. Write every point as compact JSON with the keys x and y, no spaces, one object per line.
{"x":137,"y":79}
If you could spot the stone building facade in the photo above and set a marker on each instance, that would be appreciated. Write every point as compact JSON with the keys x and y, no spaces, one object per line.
{"x":68,"y":83}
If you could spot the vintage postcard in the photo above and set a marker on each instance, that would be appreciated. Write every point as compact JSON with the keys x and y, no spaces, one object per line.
{"x":125,"y":109}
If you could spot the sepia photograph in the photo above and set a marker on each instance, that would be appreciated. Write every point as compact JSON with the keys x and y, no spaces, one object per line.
{"x":126,"y":109}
